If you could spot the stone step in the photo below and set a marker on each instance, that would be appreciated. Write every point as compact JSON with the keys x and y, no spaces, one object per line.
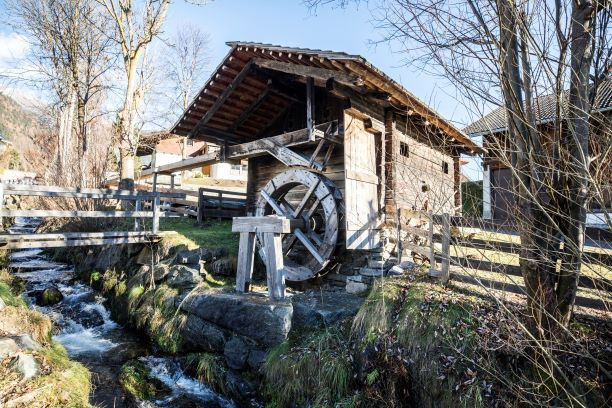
{"x":371,"y":272}
{"x":376,"y":264}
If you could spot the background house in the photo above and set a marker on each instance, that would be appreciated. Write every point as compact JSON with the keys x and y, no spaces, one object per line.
{"x":497,"y":192}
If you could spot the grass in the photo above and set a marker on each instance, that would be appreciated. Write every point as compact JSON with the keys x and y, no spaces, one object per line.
{"x":313,"y":370}
{"x":209,"y":369}
{"x":213,"y":235}
{"x":135,"y":380}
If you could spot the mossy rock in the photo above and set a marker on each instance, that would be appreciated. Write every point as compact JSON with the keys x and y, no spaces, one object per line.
{"x":135,"y":378}
{"x":49,"y":296}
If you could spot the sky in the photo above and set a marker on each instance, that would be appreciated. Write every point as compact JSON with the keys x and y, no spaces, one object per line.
{"x":291,"y":23}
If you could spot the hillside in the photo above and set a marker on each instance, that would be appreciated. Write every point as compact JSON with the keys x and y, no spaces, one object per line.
{"x":15,"y":121}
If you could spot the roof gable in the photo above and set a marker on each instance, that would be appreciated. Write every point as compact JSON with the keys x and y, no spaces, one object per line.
{"x":224,"y":114}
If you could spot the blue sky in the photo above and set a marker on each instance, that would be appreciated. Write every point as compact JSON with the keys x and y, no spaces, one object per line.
{"x":291,"y":23}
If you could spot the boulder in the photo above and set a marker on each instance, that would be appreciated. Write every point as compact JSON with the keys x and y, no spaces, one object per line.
{"x":2,"y":304}
{"x":183,"y":277}
{"x":202,"y":335}
{"x":225,"y":266}
{"x":210,"y":255}
{"x":109,"y":256}
{"x":26,"y":342}
{"x":8,"y":346}
{"x":319,"y":309}
{"x":26,"y":366}
{"x":255,"y":317}
{"x":356,"y":287}
{"x":236,"y":352}
{"x":49,"y":296}
{"x":188,"y":257}
{"x":395,"y":271}
{"x":256,"y":358}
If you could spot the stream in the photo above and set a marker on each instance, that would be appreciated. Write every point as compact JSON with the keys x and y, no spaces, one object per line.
{"x":83,"y":325}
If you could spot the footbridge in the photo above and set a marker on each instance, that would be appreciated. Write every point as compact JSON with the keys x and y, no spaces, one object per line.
{"x":144,"y":210}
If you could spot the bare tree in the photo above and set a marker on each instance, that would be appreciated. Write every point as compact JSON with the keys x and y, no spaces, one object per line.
{"x":185,"y":68}
{"x":135,"y":28}
{"x":506,"y":54}
{"x":71,"y":60}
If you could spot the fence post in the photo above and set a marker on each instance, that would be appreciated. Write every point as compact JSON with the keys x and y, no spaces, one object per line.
{"x":432,"y":249}
{"x":137,"y":220}
{"x":400,"y":250}
{"x":446,"y":232}
{"x":1,"y":205}
{"x":156,"y":203}
{"x":200,"y":205}
{"x":220,"y":205}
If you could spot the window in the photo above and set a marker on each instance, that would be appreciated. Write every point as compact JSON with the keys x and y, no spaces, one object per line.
{"x":445,"y":167}
{"x":404,"y":149}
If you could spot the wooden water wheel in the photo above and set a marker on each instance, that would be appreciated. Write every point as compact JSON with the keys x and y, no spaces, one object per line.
{"x":313,"y":201}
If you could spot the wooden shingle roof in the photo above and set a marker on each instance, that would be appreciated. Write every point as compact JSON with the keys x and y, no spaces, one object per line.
{"x":495,"y":121}
{"x":225,"y":115}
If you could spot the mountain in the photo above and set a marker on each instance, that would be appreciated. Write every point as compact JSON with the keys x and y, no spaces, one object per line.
{"x":16,"y":122}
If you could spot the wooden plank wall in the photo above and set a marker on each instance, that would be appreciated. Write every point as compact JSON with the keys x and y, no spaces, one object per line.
{"x":419,"y":182}
{"x":362,"y":171}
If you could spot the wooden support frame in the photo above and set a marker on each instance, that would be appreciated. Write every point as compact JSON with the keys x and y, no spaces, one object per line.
{"x":322,"y":74}
{"x":271,"y":228}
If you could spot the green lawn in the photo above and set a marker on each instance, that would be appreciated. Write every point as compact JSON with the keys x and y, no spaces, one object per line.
{"x":211,"y":235}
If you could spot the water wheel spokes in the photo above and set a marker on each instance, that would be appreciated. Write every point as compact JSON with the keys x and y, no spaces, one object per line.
{"x":309,"y":198}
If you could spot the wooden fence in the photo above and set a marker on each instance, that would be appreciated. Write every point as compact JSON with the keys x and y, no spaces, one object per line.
{"x":464,"y":250}
{"x":140,"y":199}
{"x":203,"y":203}
{"x":214,"y":203}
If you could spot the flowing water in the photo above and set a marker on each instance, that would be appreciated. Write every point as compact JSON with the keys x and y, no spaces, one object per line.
{"x":84,"y":326}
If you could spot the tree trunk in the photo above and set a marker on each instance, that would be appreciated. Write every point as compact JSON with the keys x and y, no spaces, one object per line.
{"x":577,"y":145}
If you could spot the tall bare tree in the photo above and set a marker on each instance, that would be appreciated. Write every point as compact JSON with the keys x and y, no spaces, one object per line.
{"x":71,"y":60}
{"x":186,"y":66}
{"x":135,"y":28}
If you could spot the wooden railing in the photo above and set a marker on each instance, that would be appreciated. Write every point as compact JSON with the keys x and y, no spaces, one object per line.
{"x":215,"y":203}
{"x":140,"y":199}
{"x":452,"y":256}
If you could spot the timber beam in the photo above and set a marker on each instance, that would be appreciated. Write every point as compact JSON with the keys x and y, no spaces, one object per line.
{"x":222,"y":98}
{"x":322,"y":74}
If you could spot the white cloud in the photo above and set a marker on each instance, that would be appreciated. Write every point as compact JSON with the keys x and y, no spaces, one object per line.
{"x":13,"y":46}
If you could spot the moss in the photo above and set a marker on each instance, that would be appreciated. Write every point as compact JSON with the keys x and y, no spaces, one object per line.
{"x":315,"y":371}
{"x":135,"y":292}
{"x":135,"y":380}
{"x":94,"y":277}
{"x":152,"y":312}
{"x":121,"y":288}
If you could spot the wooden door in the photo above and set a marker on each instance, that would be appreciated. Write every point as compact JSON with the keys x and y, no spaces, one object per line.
{"x":361,"y":186}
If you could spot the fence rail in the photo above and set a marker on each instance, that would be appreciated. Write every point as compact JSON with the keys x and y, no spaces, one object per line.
{"x":140,"y":199}
{"x":429,"y":236}
{"x":215,"y":203}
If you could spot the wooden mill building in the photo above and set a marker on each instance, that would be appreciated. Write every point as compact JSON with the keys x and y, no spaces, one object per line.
{"x":330,"y":140}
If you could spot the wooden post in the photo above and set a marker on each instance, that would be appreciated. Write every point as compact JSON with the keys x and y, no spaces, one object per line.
{"x":274,"y":264}
{"x":200,"y":206}
{"x":246,"y":252}
{"x":400,"y":250}
{"x":137,"y":220}
{"x":156,"y":203}
{"x":310,"y":108}
{"x":432,"y":250}
{"x":445,"y":246}
{"x":172,"y":176}
{"x":1,"y":205}
{"x":154,"y":182}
